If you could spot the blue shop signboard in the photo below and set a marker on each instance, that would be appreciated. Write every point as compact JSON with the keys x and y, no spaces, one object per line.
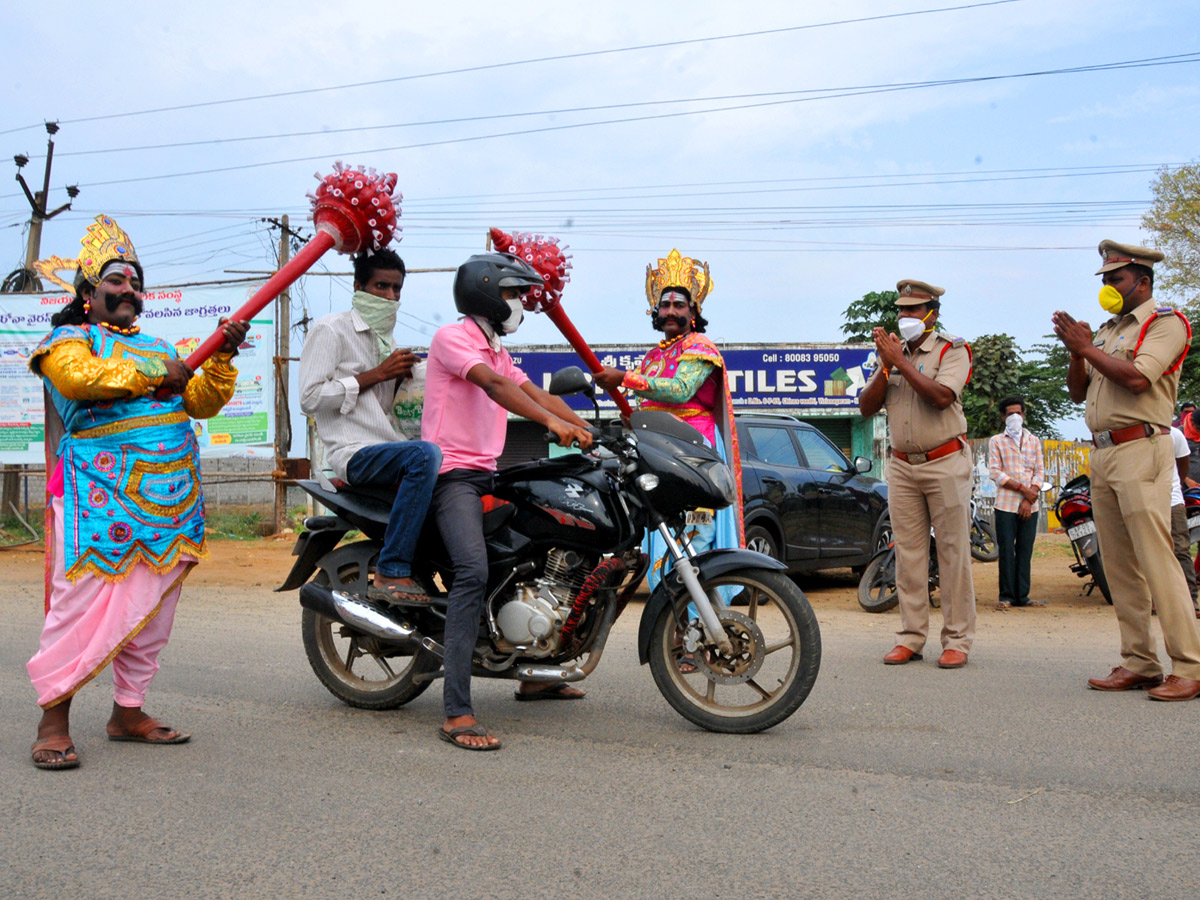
{"x":764,"y":377}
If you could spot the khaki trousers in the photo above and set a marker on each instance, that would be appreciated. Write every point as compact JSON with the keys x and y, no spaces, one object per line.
{"x":935,"y":493}
{"x":1131,"y":502}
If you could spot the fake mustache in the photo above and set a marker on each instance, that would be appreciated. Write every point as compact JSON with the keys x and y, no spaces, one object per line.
{"x":114,"y":302}
{"x":680,"y":321}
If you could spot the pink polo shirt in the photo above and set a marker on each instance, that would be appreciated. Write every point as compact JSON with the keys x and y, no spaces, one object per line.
{"x":459,"y":416}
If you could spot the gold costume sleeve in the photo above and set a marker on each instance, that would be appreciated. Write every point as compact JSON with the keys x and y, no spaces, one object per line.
{"x":78,"y":375}
{"x":211,"y":390}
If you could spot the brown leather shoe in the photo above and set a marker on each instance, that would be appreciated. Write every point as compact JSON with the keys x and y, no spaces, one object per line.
{"x":1121,"y":679}
{"x":899,"y":655}
{"x":952,"y":659}
{"x":1176,"y":688}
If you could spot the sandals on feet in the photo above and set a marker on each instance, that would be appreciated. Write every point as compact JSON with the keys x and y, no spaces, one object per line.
{"x":560,"y":691}
{"x":398,"y":595}
{"x":452,"y":737}
{"x":687,"y":664}
{"x":57,"y":743}
{"x":140,"y":733}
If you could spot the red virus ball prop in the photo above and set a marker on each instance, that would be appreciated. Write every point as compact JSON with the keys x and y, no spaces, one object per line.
{"x":547,"y":256}
{"x":357,"y":207}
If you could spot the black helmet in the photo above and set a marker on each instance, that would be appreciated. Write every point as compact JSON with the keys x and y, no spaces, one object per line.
{"x":478,"y":281}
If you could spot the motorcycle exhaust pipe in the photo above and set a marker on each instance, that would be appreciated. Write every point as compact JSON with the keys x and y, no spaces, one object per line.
{"x":358,"y":613}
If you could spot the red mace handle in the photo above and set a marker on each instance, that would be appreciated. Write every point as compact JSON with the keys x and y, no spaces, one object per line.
{"x":575,"y":339}
{"x":353,"y":210}
{"x":297,"y":266}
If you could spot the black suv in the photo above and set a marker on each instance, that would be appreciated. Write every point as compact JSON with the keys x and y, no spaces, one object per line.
{"x":805,"y":503}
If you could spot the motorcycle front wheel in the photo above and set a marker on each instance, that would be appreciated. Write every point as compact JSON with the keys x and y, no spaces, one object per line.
{"x":357,"y":668}
{"x":769,"y":673}
{"x":877,"y":586}
{"x":984,"y":546}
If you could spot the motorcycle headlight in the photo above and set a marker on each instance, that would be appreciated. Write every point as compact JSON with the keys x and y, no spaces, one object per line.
{"x":722,"y":479}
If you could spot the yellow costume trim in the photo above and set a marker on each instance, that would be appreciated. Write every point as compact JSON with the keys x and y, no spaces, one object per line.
{"x":680,"y":412}
{"x":131,"y":424}
{"x":121,"y":646}
{"x":135,"y":555}
{"x":678,"y":271}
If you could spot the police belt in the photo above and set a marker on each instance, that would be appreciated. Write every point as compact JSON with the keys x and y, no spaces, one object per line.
{"x":951,"y":446}
{"x":1124,"y":435}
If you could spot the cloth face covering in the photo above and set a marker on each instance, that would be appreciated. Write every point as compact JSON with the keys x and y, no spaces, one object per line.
{"x":380,"y":315}
{"x":1012,"y":426}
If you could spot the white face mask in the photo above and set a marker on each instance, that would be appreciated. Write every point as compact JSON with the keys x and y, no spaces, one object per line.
{"x":1013,"y":425}
{"x":515,"y":315}
{"x":911,"y":329}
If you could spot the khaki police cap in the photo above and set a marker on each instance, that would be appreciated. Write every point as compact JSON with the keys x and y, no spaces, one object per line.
{"x":916,"y":293}
{"x":1117,"y":255}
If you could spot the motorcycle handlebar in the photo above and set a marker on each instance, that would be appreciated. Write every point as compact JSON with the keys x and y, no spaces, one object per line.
{"x":551,"y":438}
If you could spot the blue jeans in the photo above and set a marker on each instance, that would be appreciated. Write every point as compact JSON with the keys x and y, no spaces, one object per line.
{"x":413,"y":467}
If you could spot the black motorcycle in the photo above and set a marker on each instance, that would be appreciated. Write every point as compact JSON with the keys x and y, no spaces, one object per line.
{"x":564,"y":553}
{"x":1074,"y":510}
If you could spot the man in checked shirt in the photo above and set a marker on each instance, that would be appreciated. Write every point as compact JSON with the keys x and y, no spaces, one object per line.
{"x":1016,"y":465}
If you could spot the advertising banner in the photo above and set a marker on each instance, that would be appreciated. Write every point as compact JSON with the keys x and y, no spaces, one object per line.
{"x":184,"y":316}
{"x":818,"y":377}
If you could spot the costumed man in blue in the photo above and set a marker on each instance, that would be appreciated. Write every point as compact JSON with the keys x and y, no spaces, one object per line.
{"x":125,"y":513}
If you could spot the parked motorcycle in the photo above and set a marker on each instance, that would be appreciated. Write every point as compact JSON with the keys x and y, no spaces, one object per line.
{"x":877,"y":584}
{"x":564,"y":559}
{"x":1074,"y":510}
{"x":877,"y":587}
{"x":983,"y":536}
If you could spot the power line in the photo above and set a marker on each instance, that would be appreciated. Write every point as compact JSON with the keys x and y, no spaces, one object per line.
{"x":522,"y":62}
{"x":1177,"y":59}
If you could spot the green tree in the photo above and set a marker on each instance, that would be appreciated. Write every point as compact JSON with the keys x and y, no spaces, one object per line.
{"x":1174,"y":221}
{"x":996,"y":373}
{"x":876,"y":309}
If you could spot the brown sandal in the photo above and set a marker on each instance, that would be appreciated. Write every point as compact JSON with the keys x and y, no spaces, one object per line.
{"x":56,"y":743}
{"x":140,"y":733}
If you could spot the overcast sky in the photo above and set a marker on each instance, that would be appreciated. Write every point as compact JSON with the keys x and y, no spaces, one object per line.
{"x":998,"y":190}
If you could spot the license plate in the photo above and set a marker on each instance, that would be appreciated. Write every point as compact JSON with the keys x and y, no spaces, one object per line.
{"x":700,"y":517}
{"x":1194,"y":522}
{"x":1079,"y":531}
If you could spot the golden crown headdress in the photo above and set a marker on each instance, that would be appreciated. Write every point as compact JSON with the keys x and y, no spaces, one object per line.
{"x":678,"y":271}
{"x":104,"y":242}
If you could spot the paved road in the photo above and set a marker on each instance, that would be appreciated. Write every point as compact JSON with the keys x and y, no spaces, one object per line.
{"x":1005,"y":779}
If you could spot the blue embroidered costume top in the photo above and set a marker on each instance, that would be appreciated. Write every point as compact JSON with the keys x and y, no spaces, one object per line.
{"x":129,"y":461}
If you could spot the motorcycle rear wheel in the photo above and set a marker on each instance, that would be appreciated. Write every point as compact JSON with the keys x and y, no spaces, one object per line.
{"x":984,"y":546}
{"x":1096,"y":569}
{"x":877,"y":587}
{"x":358,"y":669}
{"x":777,"y":654}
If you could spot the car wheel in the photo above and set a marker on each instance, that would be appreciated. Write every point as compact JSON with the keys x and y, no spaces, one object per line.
{"x":760,"y":540}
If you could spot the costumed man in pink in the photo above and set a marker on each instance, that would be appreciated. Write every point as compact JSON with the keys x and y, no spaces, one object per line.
{"x":470,"y":382}
{"x":685,"y":376}
{"x":125,"y":517}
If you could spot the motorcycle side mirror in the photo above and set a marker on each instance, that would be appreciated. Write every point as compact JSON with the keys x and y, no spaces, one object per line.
{"x":571,"y":380}
{"x":1045,"y":486}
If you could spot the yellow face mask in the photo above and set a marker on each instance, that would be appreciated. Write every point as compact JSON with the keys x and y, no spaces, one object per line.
{"x":1111,"y":299}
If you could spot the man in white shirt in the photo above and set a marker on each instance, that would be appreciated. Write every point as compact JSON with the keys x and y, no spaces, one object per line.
{"x":350,"y":370}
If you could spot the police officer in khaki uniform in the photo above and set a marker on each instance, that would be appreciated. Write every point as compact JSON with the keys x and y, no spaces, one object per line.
{"x":920,"y":380}
{"x":1129,"y":374}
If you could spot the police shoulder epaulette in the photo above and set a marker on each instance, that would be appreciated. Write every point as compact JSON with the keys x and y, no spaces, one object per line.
{"x":1166,"y":310}
{"x":952,"y":339}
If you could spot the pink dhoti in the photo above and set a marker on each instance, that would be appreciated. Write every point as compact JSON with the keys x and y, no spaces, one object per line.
{"x":93,"y":622}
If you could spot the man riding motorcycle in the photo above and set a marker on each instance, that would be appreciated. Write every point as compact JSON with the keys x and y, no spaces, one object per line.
{"x":471,"y":381}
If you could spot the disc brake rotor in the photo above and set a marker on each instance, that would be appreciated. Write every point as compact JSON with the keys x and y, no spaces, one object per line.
{"x":746,"y":658}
